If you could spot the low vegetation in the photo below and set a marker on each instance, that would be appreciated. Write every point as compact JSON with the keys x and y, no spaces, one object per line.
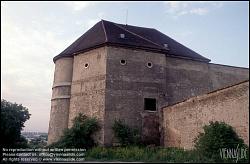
{"x":39,"y":142}
{"x":125,"y":134}
{"x":216,"y":135}
{"x":80,"y":135}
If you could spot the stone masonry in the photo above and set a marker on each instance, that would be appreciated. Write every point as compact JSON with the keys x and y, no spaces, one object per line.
{"x":108,"y":90}
{"x":182,"y":122}
{"x":116,"y":71}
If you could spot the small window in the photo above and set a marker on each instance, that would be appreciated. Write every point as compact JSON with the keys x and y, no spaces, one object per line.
{"x":123,"y":62}
{"x":122,"y":36}
{"x":86,"y":65}
{"x":150,"y":104}
{"x":149,"y":65}
{"x":165,"y":45}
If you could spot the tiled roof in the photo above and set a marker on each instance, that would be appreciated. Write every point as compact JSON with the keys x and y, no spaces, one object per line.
{"x":113,"y":34}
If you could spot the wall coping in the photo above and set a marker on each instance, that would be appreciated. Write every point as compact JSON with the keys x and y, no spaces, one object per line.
{"x":206,"y":94}
{"x":227,"y":66}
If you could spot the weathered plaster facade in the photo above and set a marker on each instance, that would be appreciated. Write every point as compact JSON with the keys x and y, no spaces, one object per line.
{"x":182,"y":122}
{"x":116,"y":71}
{"x":88,"y":87}
{"x":60,"y":101}
{"x":127,"y":86}
{"x":187,"y":78}
{"x":109,"y":90}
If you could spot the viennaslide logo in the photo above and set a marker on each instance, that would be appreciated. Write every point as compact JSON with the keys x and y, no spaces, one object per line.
{"x":233,"y":153}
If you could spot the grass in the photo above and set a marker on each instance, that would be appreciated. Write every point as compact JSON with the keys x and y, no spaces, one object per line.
{"x":142,"y":154}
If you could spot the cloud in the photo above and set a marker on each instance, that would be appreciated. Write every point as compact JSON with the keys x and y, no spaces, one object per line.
{"x":78,"y":5}
{"x":217,"y":4}
{"x":28,"y":47}
{"x":186,"y":34}
{"x":175,"y":5}
{"x":27,"y":68}
{"x":27,"y":50}
{"x":180,"y":8}
{"x":90,"y":22}
{"x":199,"y":11}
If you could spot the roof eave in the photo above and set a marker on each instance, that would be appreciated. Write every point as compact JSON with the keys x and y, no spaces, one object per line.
{"x":164,"y":51}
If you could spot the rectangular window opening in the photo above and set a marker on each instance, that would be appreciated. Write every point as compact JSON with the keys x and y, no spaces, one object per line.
{"x":150,"y":104}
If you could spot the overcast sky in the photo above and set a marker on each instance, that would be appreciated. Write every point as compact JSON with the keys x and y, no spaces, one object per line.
{"x":34,"y":32}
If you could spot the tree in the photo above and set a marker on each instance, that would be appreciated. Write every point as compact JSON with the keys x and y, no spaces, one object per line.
{"x":39,"y":142}
{"x":80,"y":134}
{"x":216,"y":136}
{"x":13,"y":117}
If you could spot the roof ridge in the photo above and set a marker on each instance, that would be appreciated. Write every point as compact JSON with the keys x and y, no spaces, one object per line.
{"x":133,"y":26}
{"x":104,"y":29}
{"x":82,"y":38}
{"x":138,"y":35}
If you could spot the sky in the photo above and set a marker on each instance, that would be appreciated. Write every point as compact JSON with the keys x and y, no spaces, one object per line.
{"x":34,"y":32}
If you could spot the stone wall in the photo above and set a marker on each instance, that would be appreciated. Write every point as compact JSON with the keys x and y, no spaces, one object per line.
{"x":88,"y":87}
{"x":108,"y":90}
{"x":187,"y":78}
{"x":222,"y":75}
{"x":182,"y":122}
{"x":127,"y":86}
{"x":60,"y":100}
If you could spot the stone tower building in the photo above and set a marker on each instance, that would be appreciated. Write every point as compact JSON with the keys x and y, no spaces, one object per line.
{"x":116,"y":71}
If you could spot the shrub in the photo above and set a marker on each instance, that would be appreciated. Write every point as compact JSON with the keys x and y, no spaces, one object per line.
{"x":217,"y":135}
{"x":125,"y":134}
{"x":80,"y":135}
